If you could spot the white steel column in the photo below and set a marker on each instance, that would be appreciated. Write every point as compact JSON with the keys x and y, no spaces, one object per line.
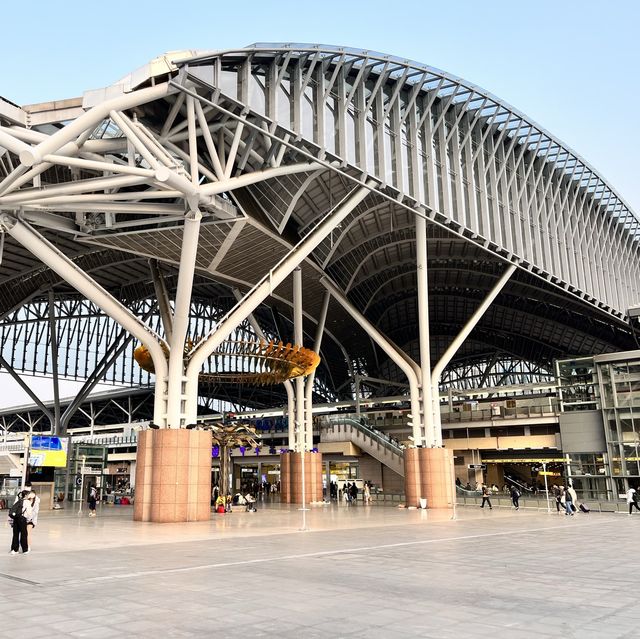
{"x":455,"y":345}
{"x":266,"y":286}
{"x":77,"y":278}
{"x":388,"y":348}
{"x":302,"y":442}
{"x":308,"y":388}
{"x":427,"y":438}
{"x":176,"y":380}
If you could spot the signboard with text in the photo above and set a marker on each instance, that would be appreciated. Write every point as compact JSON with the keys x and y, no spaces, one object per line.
{"x":45,"y":450}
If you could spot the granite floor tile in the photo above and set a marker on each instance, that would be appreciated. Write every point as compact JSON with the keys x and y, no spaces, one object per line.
{"x":380,"y":572}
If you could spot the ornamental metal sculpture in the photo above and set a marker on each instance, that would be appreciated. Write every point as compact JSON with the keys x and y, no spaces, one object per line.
{"x":241,"y":361}
{"x":227,"y":437}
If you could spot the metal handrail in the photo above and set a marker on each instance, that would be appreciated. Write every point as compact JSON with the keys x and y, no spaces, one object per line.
{"x":369,"y":431}
{"x":12,"y":447}
{"x":106,"y":440}
{"x":548,"y":409}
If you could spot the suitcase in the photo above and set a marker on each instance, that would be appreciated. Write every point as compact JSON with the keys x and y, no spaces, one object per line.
{"x":584,"y":508}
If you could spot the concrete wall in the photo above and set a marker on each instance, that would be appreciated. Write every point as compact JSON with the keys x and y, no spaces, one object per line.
{"x":391,"y":481}
{"x":380,"y":475}
{"x":494,"y":443}
{"x":582,"y":432}
{"x":371,"y":470}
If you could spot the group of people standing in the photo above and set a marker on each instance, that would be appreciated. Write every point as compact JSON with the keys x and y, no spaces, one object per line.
{"x":23,"y":517}
{"x":349,"y":492}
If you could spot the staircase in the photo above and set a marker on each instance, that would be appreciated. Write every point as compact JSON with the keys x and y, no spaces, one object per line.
{"x":9,"y":462}
{"x":371,"y":441}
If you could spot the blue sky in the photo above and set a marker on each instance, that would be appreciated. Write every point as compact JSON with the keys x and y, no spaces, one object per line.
{"x":570,"y":65}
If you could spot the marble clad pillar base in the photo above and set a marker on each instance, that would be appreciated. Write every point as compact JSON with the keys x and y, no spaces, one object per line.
{"x":173,"y":476}
{"x":291,"y":477}
{"x":428,"y":473}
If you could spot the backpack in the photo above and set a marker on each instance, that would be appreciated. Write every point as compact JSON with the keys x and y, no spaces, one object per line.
{"x":16,"y":509}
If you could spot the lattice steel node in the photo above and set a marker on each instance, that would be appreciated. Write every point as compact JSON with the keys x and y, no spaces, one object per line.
{"x":242,"y":361}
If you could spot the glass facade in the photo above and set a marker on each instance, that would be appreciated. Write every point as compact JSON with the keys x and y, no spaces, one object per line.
{"x":578,"y":384}
{"x":610,"y":383}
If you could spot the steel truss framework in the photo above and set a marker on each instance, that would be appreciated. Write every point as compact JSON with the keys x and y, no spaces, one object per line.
{"x":86,"y":337}
{"x":243,"y":165}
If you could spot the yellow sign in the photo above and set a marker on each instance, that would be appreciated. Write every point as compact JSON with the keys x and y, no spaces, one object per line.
{"x":48,"y":451}
{"x":549,"y":473}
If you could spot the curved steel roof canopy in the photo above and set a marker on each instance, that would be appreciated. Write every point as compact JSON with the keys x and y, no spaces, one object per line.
{"x":108,"y":178}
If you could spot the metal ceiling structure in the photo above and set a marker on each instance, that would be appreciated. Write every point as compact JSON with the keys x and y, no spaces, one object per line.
{"x":347,"y":156}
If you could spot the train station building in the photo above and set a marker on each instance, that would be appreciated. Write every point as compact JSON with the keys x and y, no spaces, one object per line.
{"x":327,"y":264}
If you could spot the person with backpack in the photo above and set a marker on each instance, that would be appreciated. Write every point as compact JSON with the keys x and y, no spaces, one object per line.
{"x":632,"y":499}
{"x":515,"y":496}
{"x":485,"y":497}
{"x":19,"y":514}
{"x":93,"y":498}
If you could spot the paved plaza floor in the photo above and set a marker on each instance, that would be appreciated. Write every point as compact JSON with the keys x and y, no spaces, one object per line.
{"x":356,"y":572}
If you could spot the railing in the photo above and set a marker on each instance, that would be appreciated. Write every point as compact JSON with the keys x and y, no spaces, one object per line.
{"x":107,"y":440}
{"x":497,"y":413}
{"x":539,"y":501}
{"x":363,"y":427}
{"x":12,"y":447}
{"x":523,"y":488}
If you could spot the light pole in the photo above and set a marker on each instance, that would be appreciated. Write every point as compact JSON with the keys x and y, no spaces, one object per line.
{"x":81,"y":485}
{"x":304,"y":493}
{"x":25,"y":465}
{"x":453,"y":479}
{"x":546,"y":486}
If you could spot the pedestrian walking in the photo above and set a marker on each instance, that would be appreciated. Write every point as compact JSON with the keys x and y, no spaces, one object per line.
{"x":557,"y":494}
{"x":515,"y":496}
{"x":574,"y":498}
{"x":485,"y":497}
{"x":568,"y":501}
{"x":93,"y":498}
{"x":353,"y":493}
{"x":632,"y":499}
{"x":366,"y":493}
{"x":20,"y":514}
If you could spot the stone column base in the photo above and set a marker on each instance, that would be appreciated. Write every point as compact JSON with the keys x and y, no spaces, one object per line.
{"x":291,"y":477}
{"x":428,"y":474}
{"x":173,"y":476}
